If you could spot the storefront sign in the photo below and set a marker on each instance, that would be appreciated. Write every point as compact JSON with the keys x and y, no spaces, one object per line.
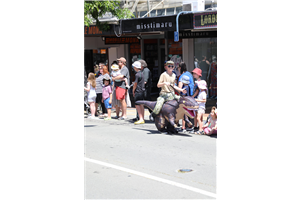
{"x":205,"y":20}
{"x":189,"y":34}
{"x":121,"y":40}
{"x":103,"y":51}
{"x":93,"y":30}
{"x":149,"y":24}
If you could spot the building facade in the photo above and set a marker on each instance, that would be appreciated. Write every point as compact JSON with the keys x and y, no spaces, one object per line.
{"x":152,"y":39}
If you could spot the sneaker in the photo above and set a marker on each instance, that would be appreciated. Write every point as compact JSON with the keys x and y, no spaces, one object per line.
{"x":122,"y":118}
{"x":115,"y":117}
{"x":107,"y":118}
{"x":139,"y":122}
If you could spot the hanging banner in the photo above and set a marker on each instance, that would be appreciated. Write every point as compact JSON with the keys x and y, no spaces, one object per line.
{"x":205,"y":20}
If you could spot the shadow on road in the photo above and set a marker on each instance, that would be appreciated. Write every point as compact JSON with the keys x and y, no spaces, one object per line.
{"x":157,"y":132}
{"x":89,"y":125}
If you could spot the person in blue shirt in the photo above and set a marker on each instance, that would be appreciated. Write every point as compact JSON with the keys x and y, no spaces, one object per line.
{"x":184,"y":72}
{"x":185,"y":80}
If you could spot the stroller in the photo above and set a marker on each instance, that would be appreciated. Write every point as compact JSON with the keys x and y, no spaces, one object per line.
{"x":87,"y":108}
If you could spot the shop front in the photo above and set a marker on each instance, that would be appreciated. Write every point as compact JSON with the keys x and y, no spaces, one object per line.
{"x":152,"y":39}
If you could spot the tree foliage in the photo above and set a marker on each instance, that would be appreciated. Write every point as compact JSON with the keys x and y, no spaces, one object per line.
{"x":96,"y":9}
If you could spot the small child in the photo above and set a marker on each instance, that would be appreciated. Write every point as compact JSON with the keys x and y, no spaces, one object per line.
{"x":211,"y":126}
{"x":116,"y":72}
{"x":202,"y":85}
{"x":91,"y":89}
{"x":107,"y":95}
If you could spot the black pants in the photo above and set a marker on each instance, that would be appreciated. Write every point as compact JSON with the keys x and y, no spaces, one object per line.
{"x":99,"y":101}
{"x":147,"y":96}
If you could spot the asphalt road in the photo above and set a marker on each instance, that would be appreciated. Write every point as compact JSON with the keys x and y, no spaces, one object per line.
{"x":127,"y":161}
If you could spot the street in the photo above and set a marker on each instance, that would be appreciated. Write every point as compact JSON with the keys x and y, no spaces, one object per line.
{"x":127,"y":161}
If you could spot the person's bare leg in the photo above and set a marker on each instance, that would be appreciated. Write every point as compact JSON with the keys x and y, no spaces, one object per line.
{"x":117,"y":111}
{"x":142,"y":111}
{"x":92,"y":106}
{"x":108,"y":112}
{"x":124,"y":108}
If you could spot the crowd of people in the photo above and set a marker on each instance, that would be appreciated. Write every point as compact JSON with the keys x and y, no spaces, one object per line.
{"x":110,"y":89}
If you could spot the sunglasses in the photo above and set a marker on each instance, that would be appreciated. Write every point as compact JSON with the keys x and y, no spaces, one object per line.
{"x":170,"y":66}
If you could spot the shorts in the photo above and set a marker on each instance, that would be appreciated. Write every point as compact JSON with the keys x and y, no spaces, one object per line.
{"x":107,"y":104}
{"x":120,"y":93}
{"x":92,"y":99}
{"x":139,"y":96}
{"x":201,"y":111}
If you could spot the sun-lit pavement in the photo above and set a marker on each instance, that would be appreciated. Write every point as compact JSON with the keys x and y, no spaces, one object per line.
{"x":134,"y":158}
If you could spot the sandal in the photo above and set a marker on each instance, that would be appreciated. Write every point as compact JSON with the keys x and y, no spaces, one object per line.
{"x":197,"y":133}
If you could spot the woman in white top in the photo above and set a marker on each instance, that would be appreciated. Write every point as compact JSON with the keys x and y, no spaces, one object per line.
{"x":91,"y":89}
{"x":201,"y":99}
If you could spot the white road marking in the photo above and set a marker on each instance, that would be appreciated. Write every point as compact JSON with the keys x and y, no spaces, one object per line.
{"x":151,"y":177}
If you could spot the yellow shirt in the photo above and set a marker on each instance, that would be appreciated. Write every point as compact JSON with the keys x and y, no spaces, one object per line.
{"x":165,"y":77}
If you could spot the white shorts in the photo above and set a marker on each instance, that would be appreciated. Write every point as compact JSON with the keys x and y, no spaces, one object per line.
{"x":92,"y":99}
{"x":201,"y":111}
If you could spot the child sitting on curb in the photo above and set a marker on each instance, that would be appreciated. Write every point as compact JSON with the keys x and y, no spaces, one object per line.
{"x":211,"y":126}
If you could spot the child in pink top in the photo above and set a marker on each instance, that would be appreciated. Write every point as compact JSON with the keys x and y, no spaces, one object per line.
{"x":107,"y":95}
{"x":211,"y":126}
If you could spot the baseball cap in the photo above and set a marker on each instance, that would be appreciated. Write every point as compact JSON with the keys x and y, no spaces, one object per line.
{"x":122,"y":59}
{"x":137,"y":64}
{"x":170,"y":62}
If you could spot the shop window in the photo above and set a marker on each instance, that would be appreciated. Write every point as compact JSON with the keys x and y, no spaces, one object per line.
{"x":206,"y":59}
{"x":175,"y":53}
{"x":135,"y":54}
{"x":170,"y":11}
{"x":153,"y":13}
{"x":178,"y":10}
{"x":160,"y":12}
{"x":142,"y":13}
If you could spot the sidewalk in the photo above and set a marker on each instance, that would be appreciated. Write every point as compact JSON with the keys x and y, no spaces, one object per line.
{"x":131,"y":113}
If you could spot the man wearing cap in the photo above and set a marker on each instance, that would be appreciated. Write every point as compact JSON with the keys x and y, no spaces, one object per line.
{"x":121,"y":88}
{"x":148,"y":83}
{"x":138,"y":90}
{"x":167,"y":93}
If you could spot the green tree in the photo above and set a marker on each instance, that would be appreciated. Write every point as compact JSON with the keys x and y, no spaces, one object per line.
{"x":96,"y":9}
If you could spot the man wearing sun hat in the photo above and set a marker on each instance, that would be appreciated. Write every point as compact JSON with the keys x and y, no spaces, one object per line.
{"x":121,"y":90}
